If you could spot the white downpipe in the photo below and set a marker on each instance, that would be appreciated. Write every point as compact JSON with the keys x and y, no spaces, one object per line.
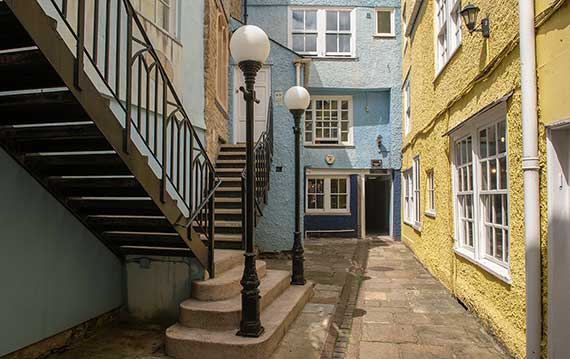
{"x":530,"y":167}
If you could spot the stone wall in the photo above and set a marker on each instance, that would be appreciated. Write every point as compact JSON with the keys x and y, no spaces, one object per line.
{"x":217,"y":97}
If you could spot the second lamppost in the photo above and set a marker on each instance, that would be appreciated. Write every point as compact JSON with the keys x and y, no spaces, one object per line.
{"x":297,"y":99}
{"x":250,"y":48}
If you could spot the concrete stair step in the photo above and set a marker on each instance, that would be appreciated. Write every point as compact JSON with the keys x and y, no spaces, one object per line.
{"x":225,"y":237}
{"x":226,"y":314}
{"x":227,"y":259}
{"x":192,"y":343}
{"x":225,"y":286}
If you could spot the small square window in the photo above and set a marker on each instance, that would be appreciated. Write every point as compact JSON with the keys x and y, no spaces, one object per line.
{"x":385,"y":22}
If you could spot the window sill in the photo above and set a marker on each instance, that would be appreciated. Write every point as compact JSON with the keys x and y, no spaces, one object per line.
{"x":337,"y":214}
{"x":494,"y":269}
{"x":332,"y":57}
{"x":329,"y":146}
{"x":384,"y":36}
{"x":440,"y":71}
{"x":430,"y":214}
{"x":417,"y":226}
{"x":159,"y":28}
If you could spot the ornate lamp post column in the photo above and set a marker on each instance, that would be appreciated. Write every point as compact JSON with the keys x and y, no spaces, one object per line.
{"x":250,"y":47}
{"x":297,"y":99}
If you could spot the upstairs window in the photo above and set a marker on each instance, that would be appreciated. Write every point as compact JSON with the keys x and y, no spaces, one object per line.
{"x":448,"y":30}
{"x":430,"y":193}
{"x":322,"y":32}
{"x":412,"y":195}
{"x":385,"y":26}
{"x":328,"y":121}
{"x":161,"y":12}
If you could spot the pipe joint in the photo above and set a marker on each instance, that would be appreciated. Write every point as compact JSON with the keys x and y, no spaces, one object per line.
{"x":530,"y":163}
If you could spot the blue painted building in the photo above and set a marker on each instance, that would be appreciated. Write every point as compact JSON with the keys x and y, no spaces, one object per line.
{"x":347,"y":53}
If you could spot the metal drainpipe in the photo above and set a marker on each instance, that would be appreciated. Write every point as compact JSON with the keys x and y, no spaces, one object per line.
{"x":530,"y":166}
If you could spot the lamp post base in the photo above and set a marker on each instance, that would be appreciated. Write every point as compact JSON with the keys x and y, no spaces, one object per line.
{"x":250,"y":325}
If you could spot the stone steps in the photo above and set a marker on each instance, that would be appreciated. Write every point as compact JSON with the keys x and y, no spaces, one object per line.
{"x":189,"y":343}
{"x":224,"y":286}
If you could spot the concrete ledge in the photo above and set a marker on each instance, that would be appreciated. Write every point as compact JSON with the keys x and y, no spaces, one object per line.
{"x":189,"y":343}
{"x":226,"y":314}
{"x":225,"y":286}
{"x":226,"y":259}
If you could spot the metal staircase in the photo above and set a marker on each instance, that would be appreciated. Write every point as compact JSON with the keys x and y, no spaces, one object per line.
{"x":88,"y":109}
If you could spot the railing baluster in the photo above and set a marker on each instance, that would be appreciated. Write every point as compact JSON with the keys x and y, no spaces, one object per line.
{"x":129,"y":63}
{"x":156,"y":78}
{"x":95,"y":30}
{"x":185,"y":176}
{"x":147,"y":103}
{"x":173,"y":124}
{"x":178,"y":157}
{"x":107,"y":40}
{"x":118,"y":51}
{"x":164,"y":147}
{"x":139,"y":94}
{"x":211,"y":228}
{"x":80,"y":58}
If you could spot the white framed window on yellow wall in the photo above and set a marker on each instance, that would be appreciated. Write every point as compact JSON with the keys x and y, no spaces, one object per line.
{"x":481,"y":193}
{"x":430,"y":193}
{"x":412,"y":197}
{"x":447,"y":29}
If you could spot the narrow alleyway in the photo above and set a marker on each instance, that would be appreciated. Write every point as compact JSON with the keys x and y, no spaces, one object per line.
{"x":403,"y":312}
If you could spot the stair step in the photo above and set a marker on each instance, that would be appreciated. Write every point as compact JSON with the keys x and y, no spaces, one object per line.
{"x":238,"y":164}
{"x":231,"y":182}
{"x":40,"y":107}
{"x":76,"y":163}
{"x":156,"y":251}
{"x":226,"y":259}
{"x":126,"y":186}
{"x":149,"y":239}
{"x":238,"y":155}
{"x":226,"y":314}
{"x":225,"y":286}
{"x":224,"y":227}
{"x":131,"y":223}
{"x":26,"y":69}
{"x":228,"y":202}
{"x":143,"y":206}
{"x":233,"y":147}
{"x":228,"y":214}
{"x":231,"y":192}
{"x":63,"y":131}
{"x":225,"y":237}
{"x":12,"y":34}
{"x":229,"y":172}
{"x":193,"y":343}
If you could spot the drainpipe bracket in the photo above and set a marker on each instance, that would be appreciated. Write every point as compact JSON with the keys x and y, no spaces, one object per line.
{"x":530,"y":163}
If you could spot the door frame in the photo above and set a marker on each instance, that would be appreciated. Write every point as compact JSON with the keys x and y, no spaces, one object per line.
{"x":237,"y":96}
{"x":553,"y":164}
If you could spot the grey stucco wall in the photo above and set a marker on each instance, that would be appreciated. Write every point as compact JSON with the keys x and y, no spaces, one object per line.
{"x":54,"y":273}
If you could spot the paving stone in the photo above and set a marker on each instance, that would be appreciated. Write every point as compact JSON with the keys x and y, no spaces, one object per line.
{"x":370,"y":350}
{"x":389,"y":333}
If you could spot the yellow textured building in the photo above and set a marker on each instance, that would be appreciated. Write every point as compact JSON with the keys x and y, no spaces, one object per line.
{"x":463,"y":182}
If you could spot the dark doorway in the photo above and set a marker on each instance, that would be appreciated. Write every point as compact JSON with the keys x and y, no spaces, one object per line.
{"x":378,"y":204}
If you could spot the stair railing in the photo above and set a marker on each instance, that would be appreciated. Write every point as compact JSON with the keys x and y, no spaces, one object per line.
{"x":263,"y":154}
{"x":110,"y":35}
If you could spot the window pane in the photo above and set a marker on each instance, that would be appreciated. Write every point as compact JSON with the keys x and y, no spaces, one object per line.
{"x":499,"y":244}
{"x":334,"y":201}
{"x":310,"y":43}
{"x":493,"y":173}
{"x":298,"y":20}
{"x":344,"y":21}
{"x":311,"y":20}
{"x":483,"y":144}
{"x":492,"y":141}
{"x":484,"y":178}
{"x":342,"y":202}
{"x":298,"y":43}
{"x":488,"y":241}
{"x":334,"y":185}
{"x":342,"y":185}
{"x":321,"y":202}
{"x":344,"y":43}
{"x":503,"y":172}
{"x":163,"y":16}
{"x":332,"y":43}
{"x":332,"y":20}
{"x":384,"y":19}
{"x":498,"y":209}
{"x":345,"y":105}
{"x":502,"y":137}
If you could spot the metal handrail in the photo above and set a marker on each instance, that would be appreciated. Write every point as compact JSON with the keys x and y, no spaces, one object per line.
{"x":139,"y":83}
{"x":263,"y":154}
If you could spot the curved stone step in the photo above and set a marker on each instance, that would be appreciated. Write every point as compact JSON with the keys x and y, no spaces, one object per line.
{"x":190,"y":343}
{"x":225,"y":286}
{"x":226,"y":314}
{"x":226,"y":259}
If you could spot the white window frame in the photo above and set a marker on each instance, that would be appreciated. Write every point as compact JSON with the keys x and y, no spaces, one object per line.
{"x":412,"y":195}
{"x":448,"y":37}
{"x":407,"y":107}
{"x":477,"y":254}
{"x":173,"y":15}
{"x":392,"y":12}
{"x":405,"y":26}
{"x":327,"y":196}
{"x":430,"y":193}
{"x":312,"y":111}
{"x":322,"y":31}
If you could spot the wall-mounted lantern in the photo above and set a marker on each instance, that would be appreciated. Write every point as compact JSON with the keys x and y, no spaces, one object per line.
{"x":470,"y":13}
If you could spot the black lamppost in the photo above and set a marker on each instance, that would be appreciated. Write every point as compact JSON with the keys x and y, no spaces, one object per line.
{"x":250,"y":47}
{"x":297,"y":99}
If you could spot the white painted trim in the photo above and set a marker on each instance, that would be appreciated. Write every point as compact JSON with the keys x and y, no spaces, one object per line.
{"x":327,"y":210}
{"x":392,"y":32}
{"x":338,"y":98}
{"x":321,"y":31}
{"x":344,"y":172}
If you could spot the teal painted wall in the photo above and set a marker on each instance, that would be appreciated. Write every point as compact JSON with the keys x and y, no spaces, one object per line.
{"x":54,"y":273}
